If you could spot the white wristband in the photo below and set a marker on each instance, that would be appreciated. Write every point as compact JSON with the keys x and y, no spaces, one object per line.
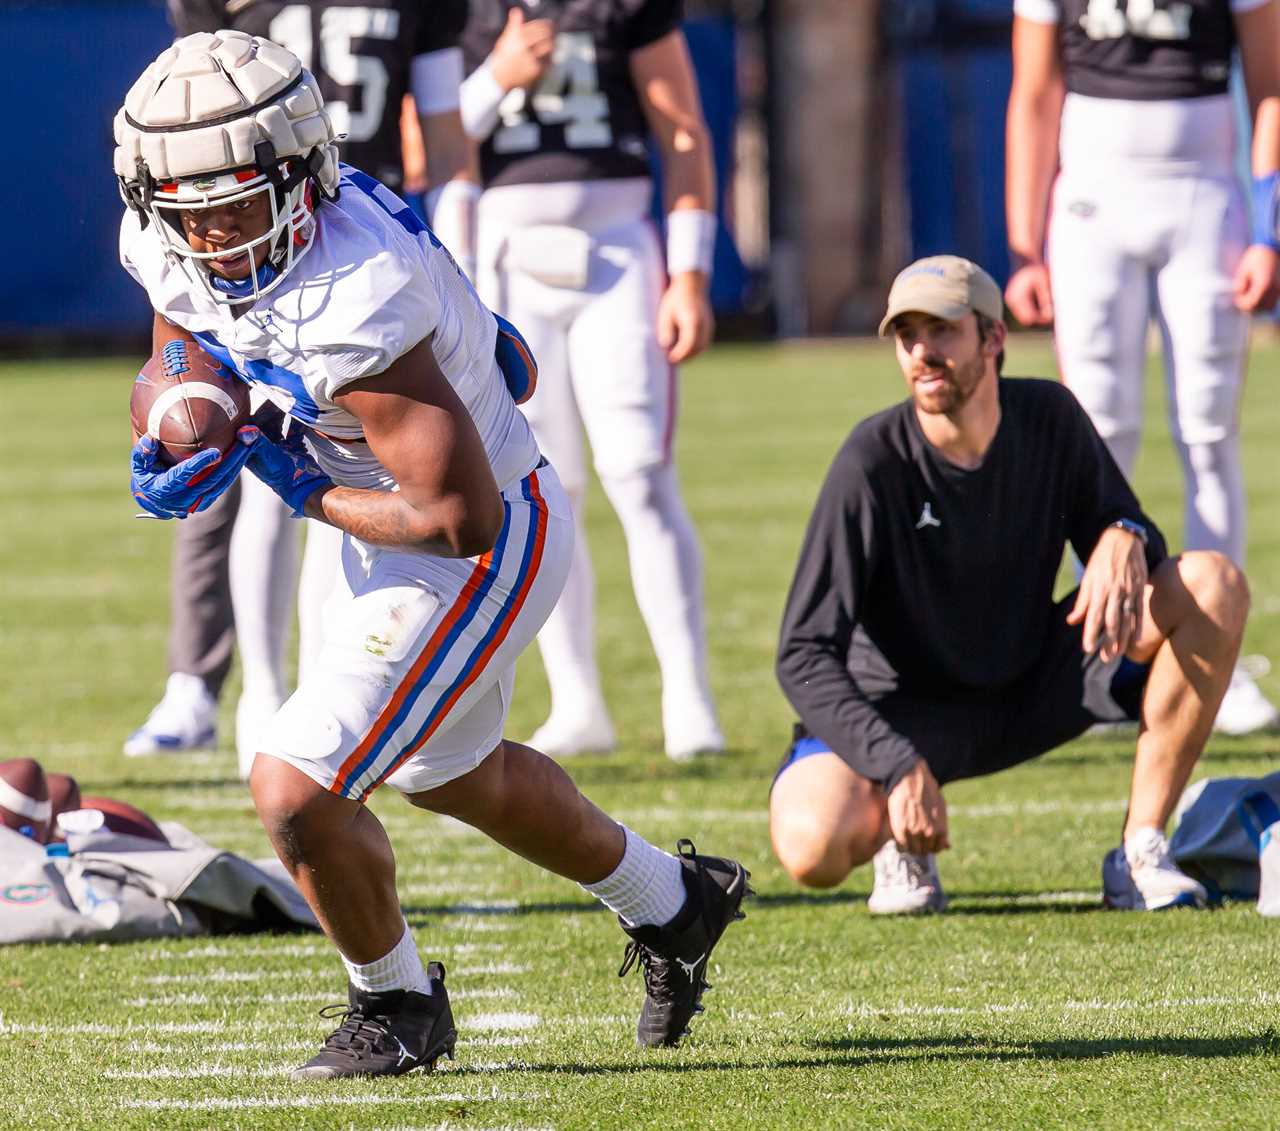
{"x":691,"y":240}
{"x":451,"y":212}
{"x":478,"y":100}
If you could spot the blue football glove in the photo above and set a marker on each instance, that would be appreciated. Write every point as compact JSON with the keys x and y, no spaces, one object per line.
{"x":288,"y":470}
{"x":189,"y":486}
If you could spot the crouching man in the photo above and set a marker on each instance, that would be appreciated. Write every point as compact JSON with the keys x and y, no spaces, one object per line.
{"x":921,"y":642}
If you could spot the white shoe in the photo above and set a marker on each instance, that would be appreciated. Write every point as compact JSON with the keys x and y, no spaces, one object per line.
{"x":905,"y":884}
{"x":185,"y":719}
{"x":690,"y":729}
{"x":254,"y":713}
{"x":561,"y":738}
{"x":689,"y":745}
{"x":1245,"y":710}
{"x":1142,"y":876}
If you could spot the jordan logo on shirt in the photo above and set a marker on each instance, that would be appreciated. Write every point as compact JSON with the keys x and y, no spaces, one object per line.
{"x":926,"y":518}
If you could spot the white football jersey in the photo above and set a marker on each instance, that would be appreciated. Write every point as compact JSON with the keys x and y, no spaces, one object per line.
{"x":373,"y":284}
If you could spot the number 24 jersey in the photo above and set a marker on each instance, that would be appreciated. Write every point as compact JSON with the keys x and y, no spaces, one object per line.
{"x":583,"y":120}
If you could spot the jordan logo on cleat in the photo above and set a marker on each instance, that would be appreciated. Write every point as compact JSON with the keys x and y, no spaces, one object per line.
{"x":926,"y":518}
{"x":404,"y":1052}
{"x":690,"y":968}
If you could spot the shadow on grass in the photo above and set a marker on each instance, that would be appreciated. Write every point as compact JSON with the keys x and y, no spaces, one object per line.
{"x":864,"y":1052}
{"x":963,"y":903}
{"x":547,"y":907}
{"x":1065,"y":1048}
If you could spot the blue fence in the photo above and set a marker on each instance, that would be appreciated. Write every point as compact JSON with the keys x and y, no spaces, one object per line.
{"x":75,"y":63}
{"x":952,"y":67}
{"x":66,"y":70}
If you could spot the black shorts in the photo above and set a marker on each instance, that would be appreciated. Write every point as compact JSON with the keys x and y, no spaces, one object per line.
{"x":972,"y":735}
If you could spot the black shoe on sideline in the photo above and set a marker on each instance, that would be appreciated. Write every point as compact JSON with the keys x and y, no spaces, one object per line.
{"x":674,"y":958}
{"x":385,"y":1034}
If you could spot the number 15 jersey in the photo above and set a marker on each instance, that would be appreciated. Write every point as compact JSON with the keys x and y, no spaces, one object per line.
{"x":583,"y":120}
{"x":360,"y":51}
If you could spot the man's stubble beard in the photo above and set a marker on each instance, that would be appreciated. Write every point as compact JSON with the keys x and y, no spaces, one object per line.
{"x":957,"y":391}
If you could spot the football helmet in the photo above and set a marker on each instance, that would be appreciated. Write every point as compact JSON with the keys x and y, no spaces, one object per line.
{"x":217,"y":119}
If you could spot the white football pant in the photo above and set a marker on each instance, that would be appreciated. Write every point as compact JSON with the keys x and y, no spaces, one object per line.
{"x":1132,"y":240}
{"x":577,"y":267}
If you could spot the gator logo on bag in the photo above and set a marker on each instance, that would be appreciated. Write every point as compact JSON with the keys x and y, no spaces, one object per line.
{"x":24,"y":895}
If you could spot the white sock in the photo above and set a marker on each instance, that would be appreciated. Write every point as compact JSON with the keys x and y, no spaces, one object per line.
{"x":647,"y":886}
{"x":400,"y":969}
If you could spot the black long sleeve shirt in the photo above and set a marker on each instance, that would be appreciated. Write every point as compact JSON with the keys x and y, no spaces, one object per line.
{"x":919,"y":574}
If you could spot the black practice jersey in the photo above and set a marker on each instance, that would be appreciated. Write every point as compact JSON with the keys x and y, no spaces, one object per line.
{"x":583,"y":121}
{"x":1145,"y":49}
{"x":920,"y":575}
{"x":359,"y":52}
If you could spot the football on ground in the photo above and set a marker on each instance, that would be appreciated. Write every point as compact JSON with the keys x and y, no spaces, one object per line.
{"x":24,"y":798}
{"x":187,"y":400}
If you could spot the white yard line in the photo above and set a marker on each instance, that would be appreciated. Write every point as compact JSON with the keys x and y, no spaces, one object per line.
{"x":260,"y":1102}
{"x":166,"y":1001}
{"x":209,"y":1048}
{"x":503,"y":1022}
{"x":98,"y":1028}
{"x":487,"y":969}
{"x":1095,"y":1005}
{"x":1038,"y":808}
{"x":470,"y":924}
{"x":264,"y":950}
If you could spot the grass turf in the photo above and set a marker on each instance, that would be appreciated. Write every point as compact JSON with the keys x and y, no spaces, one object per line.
{"x":1024,"y":1006}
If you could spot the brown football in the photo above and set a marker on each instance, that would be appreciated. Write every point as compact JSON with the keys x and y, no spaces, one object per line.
{"x":64,"y":795}
{"x":121,"y":817}
{"x":188,"y":400}
{"x":24,"y":798}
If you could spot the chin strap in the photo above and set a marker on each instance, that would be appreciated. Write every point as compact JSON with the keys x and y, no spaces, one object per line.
{"x":243,"y":288}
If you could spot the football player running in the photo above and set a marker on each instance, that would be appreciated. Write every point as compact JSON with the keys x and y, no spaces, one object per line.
{"x":319,"y":287}
{"x":1145,"y":218}
{"x":235,"y":564}
{"x":562,"y":106}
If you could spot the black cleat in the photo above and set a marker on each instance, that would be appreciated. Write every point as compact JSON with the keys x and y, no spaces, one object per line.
{"x":386,"y":1034}
{"x":674,"y":957}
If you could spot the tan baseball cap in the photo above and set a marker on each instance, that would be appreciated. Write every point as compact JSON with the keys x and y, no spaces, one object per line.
{"x":946,"y":286}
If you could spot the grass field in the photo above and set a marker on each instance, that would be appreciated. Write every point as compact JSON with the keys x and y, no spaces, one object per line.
{"x":1025,"y":1006}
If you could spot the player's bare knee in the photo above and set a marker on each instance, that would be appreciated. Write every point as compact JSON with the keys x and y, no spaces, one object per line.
{"x":812,"y":854}
{"x":1219,"y":588}
{"x":293,"y":809}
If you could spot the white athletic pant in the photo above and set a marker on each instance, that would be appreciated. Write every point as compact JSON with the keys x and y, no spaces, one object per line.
{"x":264,"y":576}
{"x":1125,"y":247}
{"x":578,"y":269}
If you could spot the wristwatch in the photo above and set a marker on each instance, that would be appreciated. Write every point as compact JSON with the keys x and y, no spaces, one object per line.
{"x":1135,"y":528}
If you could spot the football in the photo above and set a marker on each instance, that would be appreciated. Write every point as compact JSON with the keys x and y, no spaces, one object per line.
{"x":24,"y":798}
{"x":64,"y":795}
{"x":187,"y":400}
{"x":121,"y":817}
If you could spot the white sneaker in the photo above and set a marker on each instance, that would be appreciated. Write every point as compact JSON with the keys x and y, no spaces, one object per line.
{"x":185,"y":719}
{"x":686,"y":746}
{"x":254,"y":713}
{"x":1245,"y":710}
{"x":905,"y":884}
{"x":690,"y":728}
{"x":562,"y":738}
{"x":1142,"y":876}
